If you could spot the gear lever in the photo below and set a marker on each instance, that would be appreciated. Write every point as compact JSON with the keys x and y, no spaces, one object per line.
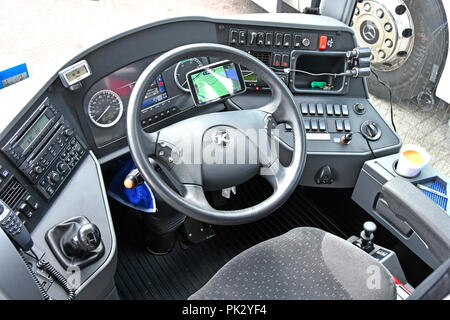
{"x":87,"y":239}
{"x":367,"y":236}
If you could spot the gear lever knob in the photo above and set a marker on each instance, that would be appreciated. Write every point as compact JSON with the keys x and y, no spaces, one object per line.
{"x":369,"y":228}
{"x":87,"y":238}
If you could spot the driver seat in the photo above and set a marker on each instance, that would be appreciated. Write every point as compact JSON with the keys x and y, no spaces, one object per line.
{"x":304,"y":263}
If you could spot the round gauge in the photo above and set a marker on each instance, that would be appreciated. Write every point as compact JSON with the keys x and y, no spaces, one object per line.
{"x":105,"y":108}
{"x":182,"y":69}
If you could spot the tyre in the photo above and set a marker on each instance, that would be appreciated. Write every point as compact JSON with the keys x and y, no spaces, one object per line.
{"x":409,"y":42}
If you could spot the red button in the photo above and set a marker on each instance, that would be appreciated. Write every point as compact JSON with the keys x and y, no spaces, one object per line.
{"x":323,"y":42}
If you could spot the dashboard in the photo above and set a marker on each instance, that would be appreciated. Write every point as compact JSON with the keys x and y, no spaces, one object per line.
{"x":45,"y":148}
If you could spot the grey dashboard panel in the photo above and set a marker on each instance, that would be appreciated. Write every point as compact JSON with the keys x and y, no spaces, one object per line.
{"x":16,"y":281}
{"x":85,"y":195}
{"x":368,"y":194}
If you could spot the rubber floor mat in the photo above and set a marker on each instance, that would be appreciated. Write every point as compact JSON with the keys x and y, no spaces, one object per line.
{"x":177,"y":275}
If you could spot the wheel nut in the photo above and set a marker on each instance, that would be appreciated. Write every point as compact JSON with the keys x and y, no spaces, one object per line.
{"x":388,"y":43}
{"x":381,"y":54}
{"x":356,"y":11}
{"x":388,"y":27}
{"x":367,"y":7}
{"x":380,"y":13}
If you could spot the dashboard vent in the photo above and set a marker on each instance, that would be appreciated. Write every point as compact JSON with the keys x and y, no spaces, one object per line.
{"x":262,"y":56}
{"x":12,"y":193}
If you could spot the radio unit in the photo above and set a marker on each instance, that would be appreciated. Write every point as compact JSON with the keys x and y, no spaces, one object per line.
{"x":31,"y":132}
{"x":45,"y":148}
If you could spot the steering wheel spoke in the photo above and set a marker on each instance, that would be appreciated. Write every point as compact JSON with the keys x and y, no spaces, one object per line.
{"x":195,"y":195}
{"x":148,"y":142}
{"x":277,"y":175}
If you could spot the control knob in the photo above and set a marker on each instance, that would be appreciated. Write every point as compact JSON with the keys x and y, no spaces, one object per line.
{"x":54,"y":177}
{"x":62,"y":166}
{"x":370,"y":130}
{"x":359,"y":108}
{"x":68,"y":132}
{"x":306,"y":42}
{"x":38,"y":169}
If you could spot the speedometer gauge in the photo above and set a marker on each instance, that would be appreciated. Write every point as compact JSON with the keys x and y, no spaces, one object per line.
{"x":183,"y":68}
{"x":105,"y":108}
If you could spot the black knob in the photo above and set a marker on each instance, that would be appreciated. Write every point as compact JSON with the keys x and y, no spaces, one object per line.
{"x":38,"y":169}
{"x":68,"y":132}
{"x":371,"y":130}
{"x":359,"y":108}
{"x":54,"y":177}
{"x":62,"y":166}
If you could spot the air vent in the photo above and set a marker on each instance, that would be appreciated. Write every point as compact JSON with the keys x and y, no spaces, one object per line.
{"x":262,"y":56}
{"x":12,"y":193}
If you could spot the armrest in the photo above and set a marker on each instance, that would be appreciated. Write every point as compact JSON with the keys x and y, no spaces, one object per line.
{"x":426,"y":218}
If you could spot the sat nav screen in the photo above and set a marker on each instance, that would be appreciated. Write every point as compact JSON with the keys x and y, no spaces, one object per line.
{"x":215,"y":82}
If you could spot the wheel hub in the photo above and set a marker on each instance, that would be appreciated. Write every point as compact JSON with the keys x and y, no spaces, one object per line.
{"x":386,"y":26}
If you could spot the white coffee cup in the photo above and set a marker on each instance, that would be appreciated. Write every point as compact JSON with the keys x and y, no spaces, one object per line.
{"x":411,"y":160}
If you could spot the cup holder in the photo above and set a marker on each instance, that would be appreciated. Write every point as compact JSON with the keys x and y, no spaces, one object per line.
{"x":394,"y":166}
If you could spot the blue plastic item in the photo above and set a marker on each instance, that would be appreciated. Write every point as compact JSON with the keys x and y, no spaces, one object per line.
{"x":140,"y":198}
{"x":440,"y":201}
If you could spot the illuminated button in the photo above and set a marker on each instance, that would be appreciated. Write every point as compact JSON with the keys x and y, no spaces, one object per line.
{"x":269,"y":39}
{"x":276,"y":60}
{"x":323,"y":42}
{"x":285,"y":61}
{"x":297,"y":41}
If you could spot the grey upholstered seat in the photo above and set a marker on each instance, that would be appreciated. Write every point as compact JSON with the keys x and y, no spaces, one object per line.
{"x":305,"y":263}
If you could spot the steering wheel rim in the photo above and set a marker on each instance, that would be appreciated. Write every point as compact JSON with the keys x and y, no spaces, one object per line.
{"x":282,"y":108}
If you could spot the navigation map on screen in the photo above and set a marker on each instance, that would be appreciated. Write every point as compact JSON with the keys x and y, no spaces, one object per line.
{"x":216,"y":82}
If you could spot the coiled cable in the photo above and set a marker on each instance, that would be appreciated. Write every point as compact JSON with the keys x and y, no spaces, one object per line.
{"x":58,"y":277}
{"x":44,"y":293}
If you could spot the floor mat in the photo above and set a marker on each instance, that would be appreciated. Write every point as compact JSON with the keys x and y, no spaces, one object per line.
{"x":177,"y":275}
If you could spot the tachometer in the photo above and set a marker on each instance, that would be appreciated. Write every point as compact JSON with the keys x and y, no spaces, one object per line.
{"x":182,"y":69}
{"x":105,"y":108}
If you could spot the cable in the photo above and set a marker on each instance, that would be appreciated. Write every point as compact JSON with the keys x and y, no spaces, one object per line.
{"x":52,"y":272}
{"x":390,"y":98}
{"x":44,"y":293}
{"x":287,"y":70}
{"x":46,"y":266}
{"x":368,"y":143}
